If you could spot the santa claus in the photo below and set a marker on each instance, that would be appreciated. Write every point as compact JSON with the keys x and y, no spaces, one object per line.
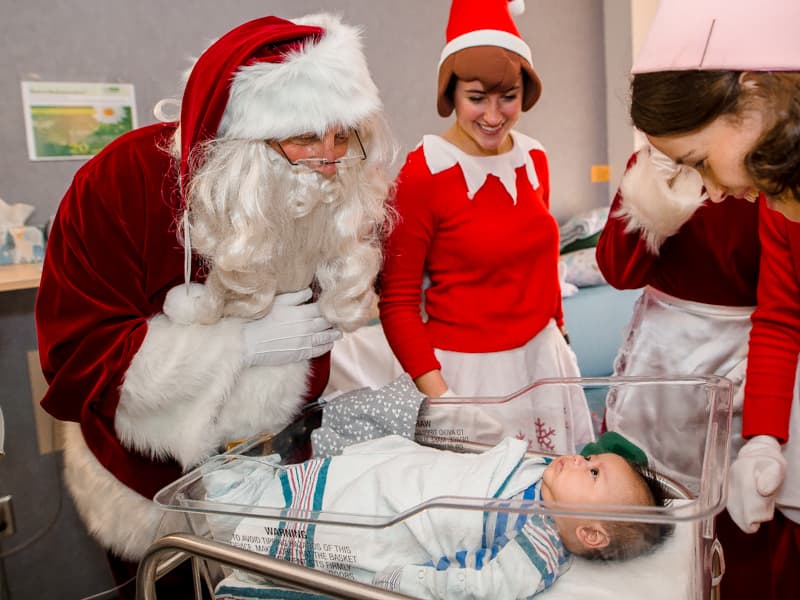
{"x":175,"y":312}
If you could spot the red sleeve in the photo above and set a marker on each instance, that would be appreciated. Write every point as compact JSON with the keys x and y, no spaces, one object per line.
{"x":775,"y":336}
{"x":111,"y":256}
{"x":404,"y":266}
{"x":623,"y":257}
{"x":87,"y":316}
{"x":542,"y":167}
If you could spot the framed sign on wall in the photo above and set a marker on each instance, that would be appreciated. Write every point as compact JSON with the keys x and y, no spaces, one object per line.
{"x":66,"y":120}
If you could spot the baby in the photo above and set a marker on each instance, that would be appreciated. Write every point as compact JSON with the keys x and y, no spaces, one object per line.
{"x":435,"y":523}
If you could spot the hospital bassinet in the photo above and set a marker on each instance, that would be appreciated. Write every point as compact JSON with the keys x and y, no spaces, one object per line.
{"x":686,"y":567}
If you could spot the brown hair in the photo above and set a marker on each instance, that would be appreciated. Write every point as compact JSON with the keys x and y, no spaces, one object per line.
{"x":774,"y":163}
{"x":630,"y":539}
{"x":674,"y":102}
{"x":496,"y":68}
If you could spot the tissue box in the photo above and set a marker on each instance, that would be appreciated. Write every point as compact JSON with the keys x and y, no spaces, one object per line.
{"x":21,"y":244}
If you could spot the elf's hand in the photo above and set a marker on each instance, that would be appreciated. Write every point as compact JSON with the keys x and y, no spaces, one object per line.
{"x":754,"y":480}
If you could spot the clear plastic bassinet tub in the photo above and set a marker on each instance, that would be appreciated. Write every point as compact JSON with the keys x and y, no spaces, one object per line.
{"x":686,"y":566}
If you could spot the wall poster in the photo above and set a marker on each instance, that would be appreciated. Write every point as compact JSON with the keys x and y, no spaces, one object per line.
{"x":66,"y":120}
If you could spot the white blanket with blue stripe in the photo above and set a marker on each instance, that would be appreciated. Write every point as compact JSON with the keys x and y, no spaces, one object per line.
{"x":433,"y":553}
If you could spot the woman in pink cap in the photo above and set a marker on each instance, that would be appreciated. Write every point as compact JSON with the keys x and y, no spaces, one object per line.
{"x":723,"y":97}
{"x":474,"y":220}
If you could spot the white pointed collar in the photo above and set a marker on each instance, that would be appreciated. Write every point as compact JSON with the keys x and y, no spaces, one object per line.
{"x":441,"y":155}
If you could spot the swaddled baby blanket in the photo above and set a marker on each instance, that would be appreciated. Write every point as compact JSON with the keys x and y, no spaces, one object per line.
{"x":433,"y":553}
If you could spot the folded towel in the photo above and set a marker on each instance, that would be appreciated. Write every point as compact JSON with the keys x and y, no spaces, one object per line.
{"x":583,"y":225}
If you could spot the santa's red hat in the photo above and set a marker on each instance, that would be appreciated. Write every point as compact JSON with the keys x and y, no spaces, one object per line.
{"x":271,"y":78}
{"x":745,"y":35}
{"x":480,"y":23}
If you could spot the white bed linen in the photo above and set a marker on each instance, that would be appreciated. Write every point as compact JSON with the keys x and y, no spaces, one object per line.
{"x":669,"y":573}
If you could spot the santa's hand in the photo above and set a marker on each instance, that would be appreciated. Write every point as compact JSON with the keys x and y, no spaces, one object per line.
{"x":755,"y":478}
{"x":291,"y":332}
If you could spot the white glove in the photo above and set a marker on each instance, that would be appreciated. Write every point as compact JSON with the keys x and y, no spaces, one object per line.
{"x":448,"y":393}
{"x":292,"y":331}
{"x":755,"y":478}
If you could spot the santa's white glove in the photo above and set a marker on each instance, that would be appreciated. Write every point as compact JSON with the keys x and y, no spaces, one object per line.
{"x":292,"y":331}
{"x":448,"y":393}
{"x":754,"y":480}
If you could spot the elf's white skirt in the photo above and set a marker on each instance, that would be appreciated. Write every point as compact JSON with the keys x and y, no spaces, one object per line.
{"x":560,"y":410}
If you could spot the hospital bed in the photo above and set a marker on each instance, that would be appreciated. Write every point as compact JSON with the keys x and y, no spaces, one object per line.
{"x":688,"y":566}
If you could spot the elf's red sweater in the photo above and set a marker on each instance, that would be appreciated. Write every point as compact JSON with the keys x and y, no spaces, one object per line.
{"x":493,"y":264}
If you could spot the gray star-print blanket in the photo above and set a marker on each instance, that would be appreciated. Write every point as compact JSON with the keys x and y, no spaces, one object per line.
{"x":367,"y":414}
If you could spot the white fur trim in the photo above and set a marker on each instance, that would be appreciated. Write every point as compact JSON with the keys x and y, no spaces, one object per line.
{"x":319,"y":87}
{"x":186,"y":394}
{"x":265,"y":400}
{"x":119,"y":518}
{"x":488,"y":37}
{"x":655,"y":207}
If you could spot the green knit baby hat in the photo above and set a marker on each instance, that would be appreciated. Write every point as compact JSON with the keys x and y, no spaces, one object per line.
{"x":613,"y":442}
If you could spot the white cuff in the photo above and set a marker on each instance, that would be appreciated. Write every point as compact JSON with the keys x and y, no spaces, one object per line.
{"x":654,"y":206}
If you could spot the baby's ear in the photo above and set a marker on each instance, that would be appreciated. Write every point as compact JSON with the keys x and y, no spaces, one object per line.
{"x":593,"y":535}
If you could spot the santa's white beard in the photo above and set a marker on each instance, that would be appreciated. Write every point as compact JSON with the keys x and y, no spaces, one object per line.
{"x":265,"y":227}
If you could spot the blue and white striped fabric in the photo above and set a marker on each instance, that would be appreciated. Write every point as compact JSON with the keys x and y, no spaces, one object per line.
{"x":436,"y":548}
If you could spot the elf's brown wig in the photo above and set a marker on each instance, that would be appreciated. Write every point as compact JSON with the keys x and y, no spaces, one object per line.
{"x":496,"y":68}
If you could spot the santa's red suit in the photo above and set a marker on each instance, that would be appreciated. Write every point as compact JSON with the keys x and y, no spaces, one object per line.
{"x":153,"y":392}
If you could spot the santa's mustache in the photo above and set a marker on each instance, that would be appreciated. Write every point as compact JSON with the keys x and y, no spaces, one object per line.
{"x":264,"y":226}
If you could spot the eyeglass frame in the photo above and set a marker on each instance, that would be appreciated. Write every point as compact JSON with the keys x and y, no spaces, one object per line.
{"x":321,"y":162}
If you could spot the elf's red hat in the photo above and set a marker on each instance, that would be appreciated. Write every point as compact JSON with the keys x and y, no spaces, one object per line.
{"x":271,"y":78}
{"x":478,"y":23}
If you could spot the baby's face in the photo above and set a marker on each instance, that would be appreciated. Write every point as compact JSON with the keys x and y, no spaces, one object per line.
{"x":601,"y":478}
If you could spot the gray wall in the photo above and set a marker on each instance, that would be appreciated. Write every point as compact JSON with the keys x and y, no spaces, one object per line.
{"x":148,"y":43}
{"x":617,"y":23}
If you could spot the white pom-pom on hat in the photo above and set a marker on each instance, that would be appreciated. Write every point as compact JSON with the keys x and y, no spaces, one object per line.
{"x":187,"y":304}
{"x":516,"y":7}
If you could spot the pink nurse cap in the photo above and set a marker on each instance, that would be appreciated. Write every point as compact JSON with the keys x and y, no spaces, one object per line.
{"x":739,"y":35}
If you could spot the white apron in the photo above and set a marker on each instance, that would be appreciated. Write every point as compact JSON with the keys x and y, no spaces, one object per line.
{"x":667,"y":337}
{"x":555,"y":418}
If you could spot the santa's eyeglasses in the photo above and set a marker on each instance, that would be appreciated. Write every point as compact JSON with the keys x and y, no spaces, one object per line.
{"x":348,"y":159}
